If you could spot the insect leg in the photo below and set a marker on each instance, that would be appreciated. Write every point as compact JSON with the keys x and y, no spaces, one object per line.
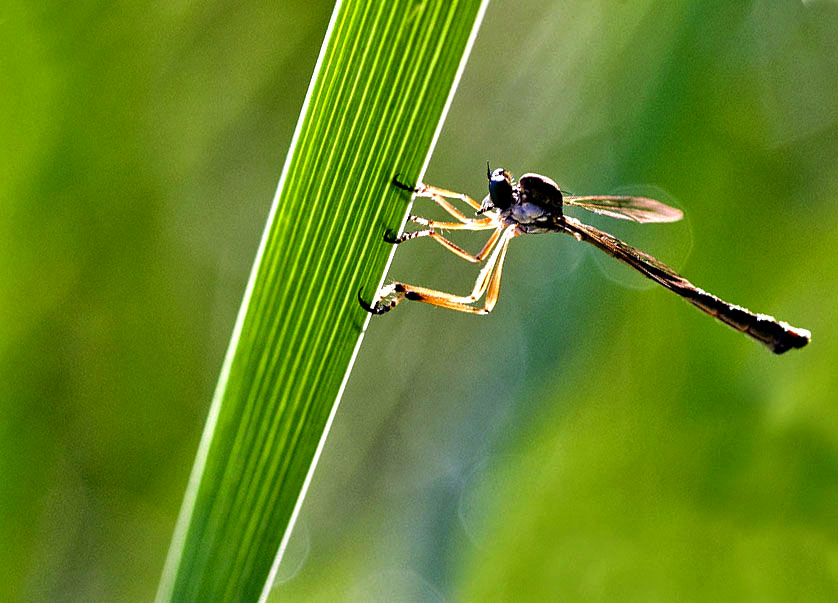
{"x":494,"y":282}
{"x":444,"y":204}
{"x":452,"y":247}
{"x":427,"y":190}
{"x":489,"y":278}
{"x":438,"y":196}
{"x":402,"y":291}
{"x":481,"y":224}
{"x":380,"y":307}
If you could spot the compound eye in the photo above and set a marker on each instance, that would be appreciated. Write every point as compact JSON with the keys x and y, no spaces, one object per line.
{"x":500,"y":188}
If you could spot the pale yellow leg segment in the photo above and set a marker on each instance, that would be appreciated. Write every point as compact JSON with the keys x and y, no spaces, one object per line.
{"x":482,"y":282}
{"x":494,"y":282}
{"x":451,"y":305}
{"x":452,"y":247}
{"x":428,"y":191}
{"x":438,"y":196}
{"x":488,"y":279}
{"x":449,"y":207}
{"x":482,"y":224}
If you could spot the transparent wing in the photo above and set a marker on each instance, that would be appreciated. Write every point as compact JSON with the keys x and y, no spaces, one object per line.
{"x":637,"y":209}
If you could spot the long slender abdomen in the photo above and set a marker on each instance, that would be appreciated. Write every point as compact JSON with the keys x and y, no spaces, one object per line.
{"x":777,"y":335}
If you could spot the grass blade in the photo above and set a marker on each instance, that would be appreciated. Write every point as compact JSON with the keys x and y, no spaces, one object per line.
{"x":378,"y":95}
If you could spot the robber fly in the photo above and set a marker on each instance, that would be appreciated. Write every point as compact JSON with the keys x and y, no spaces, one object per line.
{"x":533,"y":205}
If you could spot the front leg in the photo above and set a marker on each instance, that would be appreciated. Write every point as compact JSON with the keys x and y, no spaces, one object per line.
{"x":438,"y":196}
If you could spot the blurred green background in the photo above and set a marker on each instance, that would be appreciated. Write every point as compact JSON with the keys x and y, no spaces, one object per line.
{"x":594,"y":438}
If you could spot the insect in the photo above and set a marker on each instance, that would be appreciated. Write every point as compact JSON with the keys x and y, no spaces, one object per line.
{"x":533,"y":205}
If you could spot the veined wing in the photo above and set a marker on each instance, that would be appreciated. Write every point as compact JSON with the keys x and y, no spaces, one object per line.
{"x":637,"y":209}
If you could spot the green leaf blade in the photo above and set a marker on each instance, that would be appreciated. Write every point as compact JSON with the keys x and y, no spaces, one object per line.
{"x":380,"y":90}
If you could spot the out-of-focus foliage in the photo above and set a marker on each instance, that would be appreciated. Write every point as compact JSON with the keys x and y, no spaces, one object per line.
{"x":587,"y":440}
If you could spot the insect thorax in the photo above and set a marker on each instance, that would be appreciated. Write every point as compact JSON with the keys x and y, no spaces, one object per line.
{"x":538,"y":204}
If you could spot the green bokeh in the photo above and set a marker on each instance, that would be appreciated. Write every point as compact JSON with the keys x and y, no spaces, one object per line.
{"x":587,"y":440}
